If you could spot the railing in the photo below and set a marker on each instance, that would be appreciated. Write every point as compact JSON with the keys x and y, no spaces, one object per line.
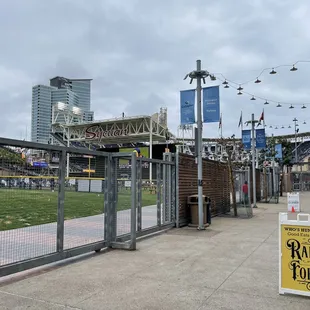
{"x":45,"y":218}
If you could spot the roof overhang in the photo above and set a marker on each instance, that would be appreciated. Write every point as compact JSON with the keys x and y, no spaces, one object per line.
{"x":118,"y":130}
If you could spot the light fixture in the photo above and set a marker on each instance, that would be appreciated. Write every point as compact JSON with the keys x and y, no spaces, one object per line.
{"x":270,"y":126}
{"x":276,"y":127}
{"x":273,"y":71}
{"x":212,"y":77}
{"x":225,"y":82}
{"x":239,"y":93}
{"x":77,"y":111}
{"x":291,"y":107}
{"x":61,"y":106}
{"x":304,"y":123}
{"x":253,"y":98}
{"x":226,"y":86}
{"x":266,"y":102}
{"x":303,"y":107}
{"x":289,"y":126}
{"x":282,"y":127}
{"x":293,"y":68}
{"x":279,"y":105}
{"x":257,"y":81}
{"x":239,"y":88}
{"x":295,"y":120}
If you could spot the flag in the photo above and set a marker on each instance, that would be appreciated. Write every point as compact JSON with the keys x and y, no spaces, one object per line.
{"x":240,"y":120}
{"x":220,"y":123}
{"x":262,"y":118}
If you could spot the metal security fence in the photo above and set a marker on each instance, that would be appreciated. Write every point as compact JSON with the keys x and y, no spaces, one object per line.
{"x":243,"y":190}
{"x":270,"y":185}
{"x":300,"y":181}
{"x":58,"y":202}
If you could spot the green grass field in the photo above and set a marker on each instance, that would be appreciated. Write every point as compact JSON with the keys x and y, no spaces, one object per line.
{"x":22,"y":208}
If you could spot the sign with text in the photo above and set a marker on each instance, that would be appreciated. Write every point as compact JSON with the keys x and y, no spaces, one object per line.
{"x":278,"y":151}
{"x":293,"y":202}
{"x":246,"y":139}
{"x":40,"y":164}
{"x":260,"y":139}
{"x":187,"y":106}
{"x":127,"y":183}
{"x":211,"y":104}
{"x":96,"y":132}
{"x":294,"y":255}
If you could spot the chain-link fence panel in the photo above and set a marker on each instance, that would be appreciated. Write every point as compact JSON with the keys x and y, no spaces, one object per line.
{"x":28,"y":204}
{"x":84,"y":199}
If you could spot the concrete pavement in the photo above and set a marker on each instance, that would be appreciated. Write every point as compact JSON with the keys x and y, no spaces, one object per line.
{"x":232,"y":265}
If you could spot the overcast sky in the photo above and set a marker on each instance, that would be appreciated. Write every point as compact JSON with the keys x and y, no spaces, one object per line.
{"x":138,"y":51}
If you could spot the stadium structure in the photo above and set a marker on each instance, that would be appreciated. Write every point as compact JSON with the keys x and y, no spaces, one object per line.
{"x":149,"y":133}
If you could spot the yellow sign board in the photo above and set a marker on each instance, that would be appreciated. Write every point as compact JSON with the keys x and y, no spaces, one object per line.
{"x":89,"y":170}
{"x":295,"y":255}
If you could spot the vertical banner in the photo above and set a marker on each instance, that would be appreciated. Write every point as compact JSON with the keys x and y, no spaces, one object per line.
{"x":211,"y":104}
{"x":260,"y":139}
{"x":187,"y":106}
{"x":278,"y":150}
{"x":246,"y":139}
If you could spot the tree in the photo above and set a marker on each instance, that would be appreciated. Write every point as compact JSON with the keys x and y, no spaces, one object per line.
{"x":9,"y":156}
{"x":270,"y":152}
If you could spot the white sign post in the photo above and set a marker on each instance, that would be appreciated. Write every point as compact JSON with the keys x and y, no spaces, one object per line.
{"x":293,"y":202}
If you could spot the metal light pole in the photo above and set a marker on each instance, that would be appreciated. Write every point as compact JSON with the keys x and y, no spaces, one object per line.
{"x":253,"y":122}
{"x":199,"y":148}
{"x":199,"y":75}
{"x":273,"y":170}
{"x":295,"y":120}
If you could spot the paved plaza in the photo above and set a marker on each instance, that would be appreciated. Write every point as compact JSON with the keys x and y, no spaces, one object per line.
{"x":233,"y":265}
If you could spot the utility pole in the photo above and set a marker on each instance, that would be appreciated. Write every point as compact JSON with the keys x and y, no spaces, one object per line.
{"x":273,"y":169}
{"x":295,"y":120}
{"x":199,"y":75}
{"x":253,"y":122}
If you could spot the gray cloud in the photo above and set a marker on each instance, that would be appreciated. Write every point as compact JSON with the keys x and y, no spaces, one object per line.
{"x":138,"y":52}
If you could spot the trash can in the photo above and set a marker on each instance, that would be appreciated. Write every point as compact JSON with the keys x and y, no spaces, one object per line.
{"x":192,"y":202}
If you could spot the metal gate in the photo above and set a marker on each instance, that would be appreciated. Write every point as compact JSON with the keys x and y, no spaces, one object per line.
{"x":270,"y":185}
{"x":77,"y":201}
{"x":243,"y":200}
{"x":300,"y":181}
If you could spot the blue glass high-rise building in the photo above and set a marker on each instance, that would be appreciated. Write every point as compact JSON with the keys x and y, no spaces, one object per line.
{"x":72,"y":92}
{"x":81,"y":87}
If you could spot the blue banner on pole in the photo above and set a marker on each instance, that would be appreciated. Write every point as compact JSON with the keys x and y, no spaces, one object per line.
{"x":260,"y":139}
{"x":278,"y":151}
{"x":187,"y":106}
{"x":211,"y":104}
{"x":246,"y":139}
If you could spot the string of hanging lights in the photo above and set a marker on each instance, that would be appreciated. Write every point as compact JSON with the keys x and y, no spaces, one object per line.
{"x":285,"y":126}
{"x":257,"y":79}
{"x":239,"y":86}
{"x":266,"y":101}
